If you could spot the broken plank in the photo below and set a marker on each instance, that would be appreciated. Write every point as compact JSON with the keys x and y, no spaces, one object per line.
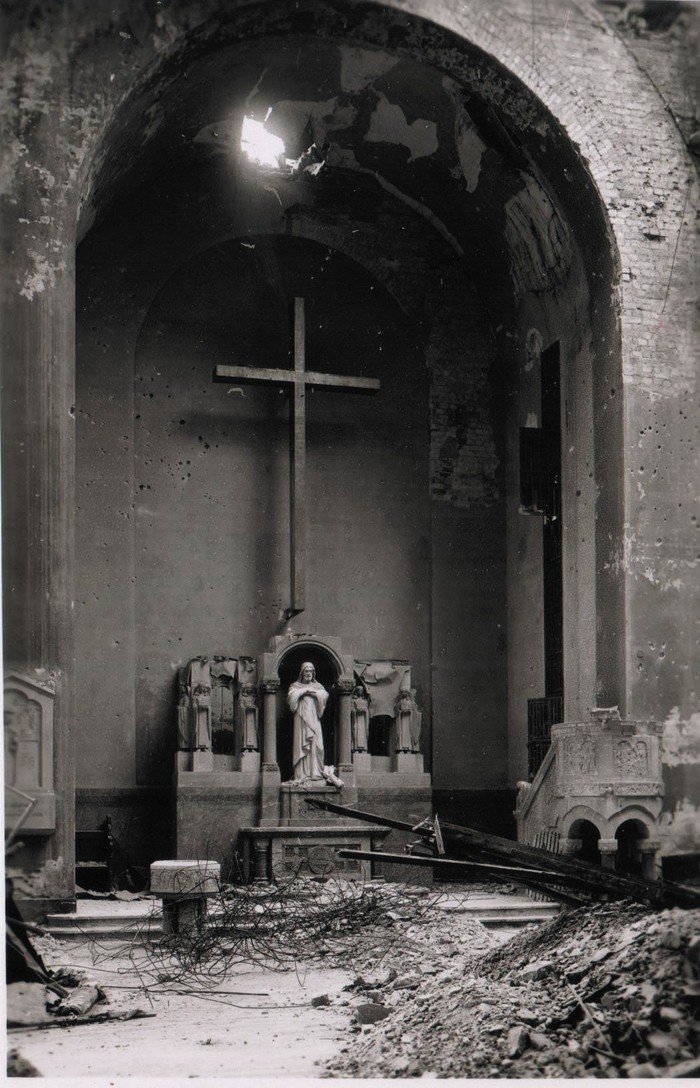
{"x":480,"y":846}
{"x":74,"y":1021}
{"x":534,"y":876}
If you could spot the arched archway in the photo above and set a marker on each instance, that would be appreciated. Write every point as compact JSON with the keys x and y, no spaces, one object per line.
{"x":485,"y":232}
{"x":81,"y":126}
{"x":586,"y":832}
{"x":630,"y":859}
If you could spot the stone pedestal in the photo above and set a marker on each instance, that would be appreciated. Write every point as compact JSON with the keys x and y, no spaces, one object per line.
{"x":281,"y":853}
{"x":249,"y":762}
{"x":184,"y":887}
{"x":362,"y":762}
{"x":202,"y":761}
{"x":293,"y":810}
{"x":407,"y":763}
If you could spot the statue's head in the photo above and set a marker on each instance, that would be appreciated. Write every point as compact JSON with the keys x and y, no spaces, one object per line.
{"x":307,"y":673}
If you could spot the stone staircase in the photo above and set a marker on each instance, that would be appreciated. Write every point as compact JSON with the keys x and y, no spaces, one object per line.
{"x":141,"y":919}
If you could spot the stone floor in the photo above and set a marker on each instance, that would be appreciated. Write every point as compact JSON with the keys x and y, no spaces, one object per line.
{"x":206,"y":1035}
{"x":254,"y":1022}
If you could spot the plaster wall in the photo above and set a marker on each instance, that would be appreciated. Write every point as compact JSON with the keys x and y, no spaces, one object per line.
{"x":208,"y":475}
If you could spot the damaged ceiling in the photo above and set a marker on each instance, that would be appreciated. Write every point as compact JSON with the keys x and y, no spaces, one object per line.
{"x":385,"y":122}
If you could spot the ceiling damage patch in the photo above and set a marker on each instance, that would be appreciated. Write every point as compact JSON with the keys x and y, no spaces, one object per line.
{"x":360,"y":67}
{"x":539,"y":243}
{"x":388,"y":125}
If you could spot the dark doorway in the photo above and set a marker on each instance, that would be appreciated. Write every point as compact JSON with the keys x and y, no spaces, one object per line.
{"x":326,"y":674}
{"x":589,"y":835}
{"x":629,"y":856}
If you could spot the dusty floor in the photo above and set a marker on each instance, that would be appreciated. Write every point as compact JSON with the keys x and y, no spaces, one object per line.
{"x":207,"y":1036}
{"x":278,"y":1032}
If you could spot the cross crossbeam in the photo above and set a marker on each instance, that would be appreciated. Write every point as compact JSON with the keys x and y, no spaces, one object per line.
{"x":297,"y":381}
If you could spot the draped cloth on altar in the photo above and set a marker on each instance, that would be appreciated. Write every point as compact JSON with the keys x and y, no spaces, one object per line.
{"x":384,"y":682}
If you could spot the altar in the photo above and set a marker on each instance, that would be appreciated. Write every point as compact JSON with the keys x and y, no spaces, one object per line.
{"x":239,"y":795}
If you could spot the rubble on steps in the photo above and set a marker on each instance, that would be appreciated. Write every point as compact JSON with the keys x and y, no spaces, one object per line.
{"x":604,"y":991}
{"x":417,"y":929}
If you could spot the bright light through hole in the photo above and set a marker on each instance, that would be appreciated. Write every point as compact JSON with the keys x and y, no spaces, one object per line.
{"x":261,"y":146}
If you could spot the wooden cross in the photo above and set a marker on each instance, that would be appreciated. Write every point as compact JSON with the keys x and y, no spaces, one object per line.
{"x":299,"y":379}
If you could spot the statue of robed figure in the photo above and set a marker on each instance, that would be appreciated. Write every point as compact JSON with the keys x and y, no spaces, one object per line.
{"x":307,"y":700}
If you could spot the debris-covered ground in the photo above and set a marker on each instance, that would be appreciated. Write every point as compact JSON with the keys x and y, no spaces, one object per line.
{"x":390,"y":980}
{"x":608,"y":990}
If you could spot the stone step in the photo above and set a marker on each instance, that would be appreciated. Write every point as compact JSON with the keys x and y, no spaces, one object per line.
{"x":109,"y":920}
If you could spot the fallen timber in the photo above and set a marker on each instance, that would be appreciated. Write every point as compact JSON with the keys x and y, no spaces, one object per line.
{"x":471,"y":868}
{"x":467,"y":844}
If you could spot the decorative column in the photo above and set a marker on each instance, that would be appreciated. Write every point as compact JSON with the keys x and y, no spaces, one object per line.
{"x":261,"y":853}
{"x":345,"y":689}
{"x":269,"y":689}
{"x":270,"y":778}
{"x":651,"y":867}
{"x":608,"y":852}
{"x":37,"y":344}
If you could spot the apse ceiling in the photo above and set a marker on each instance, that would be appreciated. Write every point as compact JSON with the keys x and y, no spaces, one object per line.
{"x":397,"y":124}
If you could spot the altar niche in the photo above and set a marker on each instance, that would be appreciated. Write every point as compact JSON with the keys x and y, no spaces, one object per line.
{"x":327,"y":674}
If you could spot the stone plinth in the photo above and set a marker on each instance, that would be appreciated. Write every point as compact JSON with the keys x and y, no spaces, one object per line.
{"x":281,"y":853}
{"x":184,"y":887}
{"x":295,"y":812}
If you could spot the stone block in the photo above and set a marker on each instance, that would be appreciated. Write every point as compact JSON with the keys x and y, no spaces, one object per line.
{"x":203,"y":760}
{"x":185,"y":878}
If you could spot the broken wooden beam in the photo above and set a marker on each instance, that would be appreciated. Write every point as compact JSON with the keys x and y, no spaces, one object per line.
{"x":473,"y":845}
{"x":512,"y":873}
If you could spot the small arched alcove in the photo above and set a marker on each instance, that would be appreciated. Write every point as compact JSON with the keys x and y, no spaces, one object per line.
{"x":588,"y":835}
{"x":629,"y":835}
{"x":327,"y":673}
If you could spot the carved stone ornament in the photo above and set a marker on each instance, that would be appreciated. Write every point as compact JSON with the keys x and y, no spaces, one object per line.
{"x":580,"y":755}
{"x":28,"y":719}
{"x":632,"y":758}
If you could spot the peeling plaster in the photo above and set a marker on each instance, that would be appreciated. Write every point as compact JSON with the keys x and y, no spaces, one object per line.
{"x":360,"y":67}
{"x":346,"y":158}
{"x":681,"y":739}
{"x":681,"y":828}
{"x":388,"y":125}
{"x":42,"y":275}
{"x":538,"y":240}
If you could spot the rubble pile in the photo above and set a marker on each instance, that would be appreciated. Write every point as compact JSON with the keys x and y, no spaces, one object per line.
{"x":414,"y":928}
{"x":608,"y":991}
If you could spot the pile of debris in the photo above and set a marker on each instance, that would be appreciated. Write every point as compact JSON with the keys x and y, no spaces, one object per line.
{"x":609,"y":990}
{"x":414,"y":929}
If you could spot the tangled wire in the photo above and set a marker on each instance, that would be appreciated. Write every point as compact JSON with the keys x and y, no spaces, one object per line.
{"x":275,"y":927}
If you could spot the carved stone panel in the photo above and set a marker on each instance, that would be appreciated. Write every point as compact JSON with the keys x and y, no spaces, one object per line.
{"x":580,"y":755}
{"x":632,"y":758}
{"x":28,"y":722}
